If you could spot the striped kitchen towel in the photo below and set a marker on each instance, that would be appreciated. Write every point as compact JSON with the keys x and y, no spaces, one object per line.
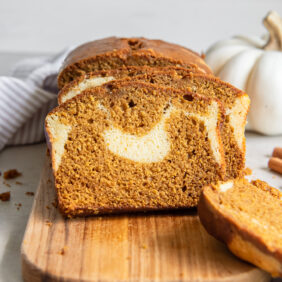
{"x":26,"y":97}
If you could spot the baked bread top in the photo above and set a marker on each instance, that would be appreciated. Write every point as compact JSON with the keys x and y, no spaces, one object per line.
{"x":248,"y":218}
{"x":114,"y":52}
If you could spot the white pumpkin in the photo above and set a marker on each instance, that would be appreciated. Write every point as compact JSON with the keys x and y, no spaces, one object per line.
{"x":255,"y":66}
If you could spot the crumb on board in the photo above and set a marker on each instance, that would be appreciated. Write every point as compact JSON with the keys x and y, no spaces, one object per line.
{"x":11,"y":174}
{"x":63,"y":250}
{"x":49,"y":223}
{"x":18,"y":205}
{"x":55,"y":204}
{"x":144,"y":246}
{"x":248,"y":171}
{"x":5,"y":196}
{"x":29,"y":193}
{"x":19,"y":183}
{"x":6,"y":184}
{"x":47,"y":207}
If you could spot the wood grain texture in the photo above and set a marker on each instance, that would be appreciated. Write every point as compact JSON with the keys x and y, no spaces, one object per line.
{"x":152,"y":247}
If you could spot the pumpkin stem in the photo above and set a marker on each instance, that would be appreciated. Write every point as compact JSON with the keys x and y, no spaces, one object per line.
{"x":273,"y":23}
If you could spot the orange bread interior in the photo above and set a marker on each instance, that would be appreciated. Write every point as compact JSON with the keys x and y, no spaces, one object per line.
{"x":248,"y":218}
{"x":132,"y":146}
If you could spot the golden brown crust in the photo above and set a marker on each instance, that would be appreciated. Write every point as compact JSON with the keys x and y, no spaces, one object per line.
{"x":113,"y":52}
{"x":240,"y":239}
{"x":265,"y":187}
{"x":94,"y":210}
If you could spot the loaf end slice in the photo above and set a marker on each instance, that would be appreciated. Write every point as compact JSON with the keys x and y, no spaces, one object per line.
{"x":248,"y":218}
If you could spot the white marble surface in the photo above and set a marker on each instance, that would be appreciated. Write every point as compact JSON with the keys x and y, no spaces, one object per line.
{"x":28,"y":160}
{"x":259,"y":150}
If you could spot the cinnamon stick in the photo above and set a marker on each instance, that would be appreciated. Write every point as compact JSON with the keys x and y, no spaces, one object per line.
{"x":277,"y":153}
{"x":275,"y":164}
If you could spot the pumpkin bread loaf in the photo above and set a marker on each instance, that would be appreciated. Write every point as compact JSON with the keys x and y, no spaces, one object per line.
{"x":133,"y":146}
{"x":248,"y":218}
{"x":235,"y":102}
{"x":114,"y":52}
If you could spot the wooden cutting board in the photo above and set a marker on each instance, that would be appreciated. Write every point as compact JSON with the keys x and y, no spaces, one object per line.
{"x":150,"y":247}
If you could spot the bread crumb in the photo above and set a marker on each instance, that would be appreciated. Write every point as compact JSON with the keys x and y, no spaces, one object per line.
{"x":11,"y":174}
{"x":144,"y":246}
{"x":18,"y":206}
{"x":47,"y":207}
{"x":7,"y":184}
{"x":49,"y":223}
{"x":128,"y":258}
{"x":5,"y":197}
{"x":19,"y":183}
{"x":248,"y":171}
{"x":63,"y":250}
{"x":55,"y":204}
{"x":203,"y":55}
{"x":29,"y":193}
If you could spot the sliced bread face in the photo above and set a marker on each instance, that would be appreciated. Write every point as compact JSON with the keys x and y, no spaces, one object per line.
{"x":98,"y":78}
{"x":236,"y":102}
{"x":114,"y":52}
{"x":248,"y":218}
{"x":132,"y":146}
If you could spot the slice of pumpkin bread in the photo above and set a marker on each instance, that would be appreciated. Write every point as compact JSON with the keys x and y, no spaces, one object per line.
{"x":114,"y":52}
{"x":132,"y":146}
{"x":235,"y":102}
{"x":248,"y":218}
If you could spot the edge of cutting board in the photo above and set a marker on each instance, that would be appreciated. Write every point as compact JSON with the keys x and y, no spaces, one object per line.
{"x":150,"y":247}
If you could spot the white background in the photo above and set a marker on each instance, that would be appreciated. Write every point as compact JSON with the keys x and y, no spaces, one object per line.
{"x":30,"y":27}
{"x":48,"y":26}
